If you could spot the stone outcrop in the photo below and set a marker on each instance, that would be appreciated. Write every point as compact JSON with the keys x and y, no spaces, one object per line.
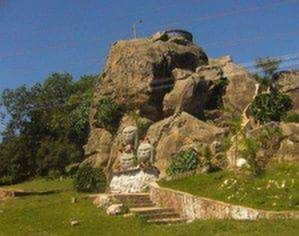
{"x":289,"y":147}
{"x":288,"y":82}
{"x":240,"y":90}
{"x":138,"y":73}
{"x":171,"y":84}
{"x":98,"y":147}
{"x":173,"y":133}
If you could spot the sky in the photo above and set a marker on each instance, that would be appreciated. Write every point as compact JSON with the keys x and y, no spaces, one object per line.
{"x":38,"y":37}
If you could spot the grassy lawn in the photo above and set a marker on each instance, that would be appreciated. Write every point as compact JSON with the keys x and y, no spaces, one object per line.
{"x":276,"y":189}
{"x":51,"y":214}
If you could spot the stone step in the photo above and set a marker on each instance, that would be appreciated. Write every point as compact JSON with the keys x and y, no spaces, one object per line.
{"x":161,"y":215}
{"x":149,"y":210}
{"x":139,"y":205}
{"x":167,"y":220}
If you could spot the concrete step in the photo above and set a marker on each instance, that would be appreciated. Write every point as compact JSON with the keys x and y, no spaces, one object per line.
{"x":161,"y":215}
{"x":139,"y":205}
{"x":167,"y":220}
{"x":149,"y":210}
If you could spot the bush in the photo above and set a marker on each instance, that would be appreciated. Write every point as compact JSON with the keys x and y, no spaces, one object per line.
{"x":272,"y":106}
{"x":183,"y":162}
{"x":109,"y":114}
{"x":89,"y":179}
{"x":292,"y":117}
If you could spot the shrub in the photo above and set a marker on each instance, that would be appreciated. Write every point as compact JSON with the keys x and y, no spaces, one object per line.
{"x":292,"y":117}
{"x":183,"y":162}
{"x":89,"y":179}
{"x":272,"y":106}
{"x":109,"y":114}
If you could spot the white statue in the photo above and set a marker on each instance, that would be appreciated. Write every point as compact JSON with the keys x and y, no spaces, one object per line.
{"x":129,"y":136}
{"x":145,"y":153}
{"x":127,"y":159}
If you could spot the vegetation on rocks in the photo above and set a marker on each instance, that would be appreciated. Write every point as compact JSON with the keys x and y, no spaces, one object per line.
{"x":183,"y":162}
{"x":272,"y":106}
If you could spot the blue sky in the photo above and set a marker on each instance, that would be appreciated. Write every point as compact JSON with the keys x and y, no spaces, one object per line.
{"x":38,"y":37}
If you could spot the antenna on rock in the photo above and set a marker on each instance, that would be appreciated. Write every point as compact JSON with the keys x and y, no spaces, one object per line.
{"x":134,"y":27}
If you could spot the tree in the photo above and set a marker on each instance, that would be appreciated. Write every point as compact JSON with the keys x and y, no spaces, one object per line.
{"x":268,"y":65}
{"x":51,"y":120}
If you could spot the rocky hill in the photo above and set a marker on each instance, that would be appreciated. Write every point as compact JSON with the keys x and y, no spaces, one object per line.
{"x":169,"y":85}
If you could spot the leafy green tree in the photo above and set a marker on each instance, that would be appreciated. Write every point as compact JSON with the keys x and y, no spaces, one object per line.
{"x":268,"y":65}
{"x":51,"y":119}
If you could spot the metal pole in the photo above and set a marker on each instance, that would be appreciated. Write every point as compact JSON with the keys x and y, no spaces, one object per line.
{"x":134,"y":28}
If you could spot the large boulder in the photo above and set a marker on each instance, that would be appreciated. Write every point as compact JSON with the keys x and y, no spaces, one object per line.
{"x":241,"y":88}
{"x":138,"y":73}
{"x":288,"y":82}
{"x":172,"y":134}
{"x":97,"y":149}
{"x":289,"y":147}
{"x":187,"y":95}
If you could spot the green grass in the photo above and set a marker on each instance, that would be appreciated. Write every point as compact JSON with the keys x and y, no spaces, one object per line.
{"x":276,"y":189}
{"x":51,"y":215}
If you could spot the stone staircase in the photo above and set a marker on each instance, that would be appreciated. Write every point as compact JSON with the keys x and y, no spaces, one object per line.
{"x":140,"y":205}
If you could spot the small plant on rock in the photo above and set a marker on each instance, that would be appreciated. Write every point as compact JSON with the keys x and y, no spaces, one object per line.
{"x":183,"y":162}
{"x":89,"y":179}
{"x":273,"y":106}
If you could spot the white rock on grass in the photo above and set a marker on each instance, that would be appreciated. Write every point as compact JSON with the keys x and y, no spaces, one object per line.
{"x":74,"y":222}
{"x":103,"y":201}
{"x":241,"y":162}
{"x":132,"y":182}
{"x":115,"y":209}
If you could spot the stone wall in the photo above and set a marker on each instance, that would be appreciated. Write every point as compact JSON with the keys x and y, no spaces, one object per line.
{"x":194,"y":207}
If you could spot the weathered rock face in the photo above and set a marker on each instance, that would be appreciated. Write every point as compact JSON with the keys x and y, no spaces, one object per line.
{"x":289,"y":147}
{"x":138,"y":73}
{"x":240,"y":90}
{"x":98,"y":147}
{"x":172,"y":134}
{"x":288,"y":82}
{"x":172,"y":85}
{"x":187,"y":95}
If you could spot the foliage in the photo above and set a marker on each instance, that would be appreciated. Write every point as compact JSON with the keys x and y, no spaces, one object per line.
{"x":272,"y":106}
{"x":249,"y":151}
{"x":48,"y":122}
{"x":15,"y":161}
{"x":142,"y":124}
{"x":263,"y":81}
{"x":292,"y":117}
{"x":55,"y":155}
{"x":109,"y":114}
{"x":268,"y":65}
{"x":183,"y":162}
{"x":89,"y":179}
{"x":276,"y":189}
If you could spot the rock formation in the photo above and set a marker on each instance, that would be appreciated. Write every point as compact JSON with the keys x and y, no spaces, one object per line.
{"x":175,"y":89}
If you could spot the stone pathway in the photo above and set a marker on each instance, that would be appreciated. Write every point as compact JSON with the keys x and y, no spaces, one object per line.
{"x":140,"y":205}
